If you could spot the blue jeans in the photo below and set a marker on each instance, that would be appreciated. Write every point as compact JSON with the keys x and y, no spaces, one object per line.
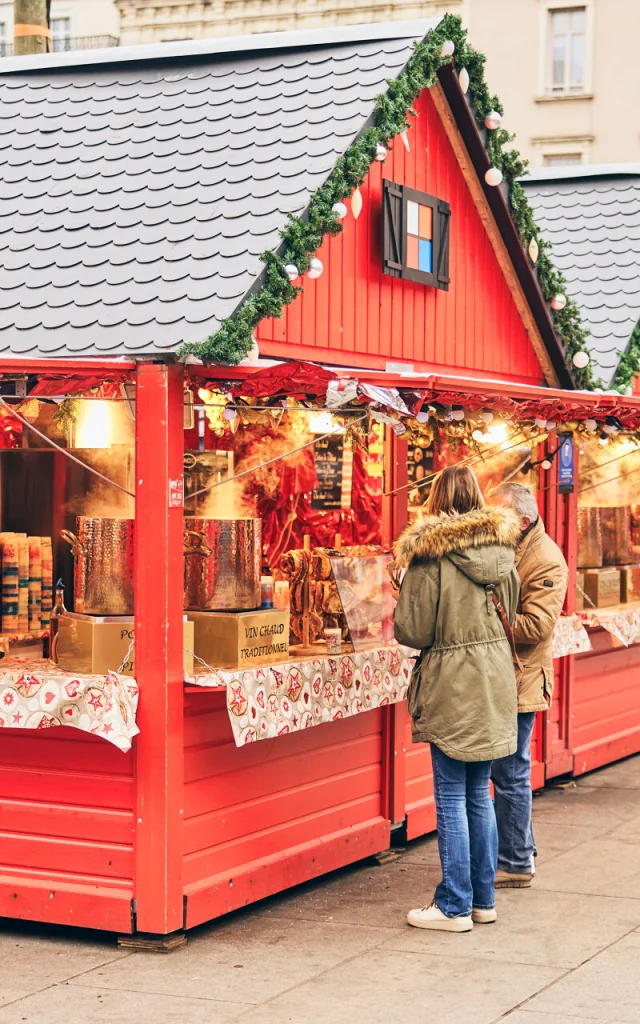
{"x":467,"y":834}
{"x":512,"y":788}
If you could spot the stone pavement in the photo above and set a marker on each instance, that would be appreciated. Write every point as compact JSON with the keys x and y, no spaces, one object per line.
{"x":337,"y":951}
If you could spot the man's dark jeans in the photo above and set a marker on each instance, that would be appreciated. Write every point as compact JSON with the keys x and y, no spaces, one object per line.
{"x":512,"y":790}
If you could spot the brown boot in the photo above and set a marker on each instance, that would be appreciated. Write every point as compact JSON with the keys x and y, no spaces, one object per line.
{"x":507,"y":880}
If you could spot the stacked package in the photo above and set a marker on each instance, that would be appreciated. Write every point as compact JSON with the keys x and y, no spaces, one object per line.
{"x":27,"y":583}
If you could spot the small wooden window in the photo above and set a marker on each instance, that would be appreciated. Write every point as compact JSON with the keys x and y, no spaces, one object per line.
{"x":416,"y":236}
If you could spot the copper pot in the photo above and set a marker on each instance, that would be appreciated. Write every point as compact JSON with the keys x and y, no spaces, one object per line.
{"x":103,"y":571}
{"x":222,"y":564}
{"x":616,"y":535}
{"x":589,"y":538}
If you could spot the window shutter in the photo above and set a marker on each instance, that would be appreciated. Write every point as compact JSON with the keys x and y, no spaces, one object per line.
{"x":392,"y":247}
{"x":442,"y":267}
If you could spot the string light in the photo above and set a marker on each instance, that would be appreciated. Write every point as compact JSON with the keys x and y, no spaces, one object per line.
{"x":580,"y":360}
{"x":448,"y":48}
{"x":315,"y":268}
{"x":381,"y":152}
{"x":493,"y":176}
{"x":546,"y":464}
{"x":340,"y":210}
{"x":292,"y":271}
{"x":493,"y":120}
{"x":559,"y":301}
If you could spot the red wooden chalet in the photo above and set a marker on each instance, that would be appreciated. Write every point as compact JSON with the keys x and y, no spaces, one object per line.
{"x":139,"y":191}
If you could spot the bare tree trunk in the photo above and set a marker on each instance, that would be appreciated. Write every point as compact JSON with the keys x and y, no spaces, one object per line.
{"x":28,"y":17}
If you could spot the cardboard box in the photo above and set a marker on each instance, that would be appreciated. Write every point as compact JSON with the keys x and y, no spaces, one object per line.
{"x":241,"y":639}
{"x":579,"y":591}
{"x":98,"y":644}
{"x":629,"y":583}
{"x":602,"y":586}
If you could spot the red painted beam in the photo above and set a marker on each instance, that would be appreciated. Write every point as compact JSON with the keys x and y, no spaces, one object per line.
{"x":158,"y":654}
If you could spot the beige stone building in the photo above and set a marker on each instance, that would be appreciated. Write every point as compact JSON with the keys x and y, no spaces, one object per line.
{"x":75,"y":25}
{"x":564,"y":69}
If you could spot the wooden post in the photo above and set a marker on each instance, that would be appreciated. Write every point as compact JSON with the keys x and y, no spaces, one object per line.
{"x":31,"y":32}
{"x":158,"y":886}
{"x":306,"y":600}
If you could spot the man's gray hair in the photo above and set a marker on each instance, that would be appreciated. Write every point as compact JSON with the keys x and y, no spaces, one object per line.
{"x":520,"y":498}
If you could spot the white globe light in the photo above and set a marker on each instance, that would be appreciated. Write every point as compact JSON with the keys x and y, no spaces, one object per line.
{"x":591,"y":425}
{"x":315,"y":268}
{"x":628,"y":391}
{"x":493,"y":120}
{"x":541,"y":423}
{"x":487,"y":417}
{"x":448,"y":48}
{"x":546,"y":464}
{"x":381,"y":152}
{"x":340,"y":210}
{"x":550,"y":425}
{"x":229,"y":414}
{"x":252,"y":355}
{"x":559,"y":301}
{"x":478,"y":435}
{"x":422,"y":417}
{"x":291,"y":271}
{"x":463,"y":79}
{"x":493,"y":176}
{"x":580,"y":360}
{"x":609,"y":428}
{"x":604,"y":440}
{"x":457,"y":414}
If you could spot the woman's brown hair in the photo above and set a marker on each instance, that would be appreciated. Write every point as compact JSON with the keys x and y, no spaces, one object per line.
{"x":455,"y":490}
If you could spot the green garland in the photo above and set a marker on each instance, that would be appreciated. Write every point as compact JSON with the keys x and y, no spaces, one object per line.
{"x":302,"y":236}
{"x":629,"y":365}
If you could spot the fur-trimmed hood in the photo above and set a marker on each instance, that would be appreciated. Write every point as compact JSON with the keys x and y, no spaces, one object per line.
{"x":434,"y":537}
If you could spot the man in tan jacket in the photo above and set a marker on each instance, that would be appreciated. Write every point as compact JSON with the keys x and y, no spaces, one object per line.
{"x":543,"y":576}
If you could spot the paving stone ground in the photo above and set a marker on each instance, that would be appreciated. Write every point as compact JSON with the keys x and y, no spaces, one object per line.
{"x":338,"y":951}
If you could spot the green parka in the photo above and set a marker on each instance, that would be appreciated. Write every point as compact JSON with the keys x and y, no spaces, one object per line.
{"x":463,"y":696}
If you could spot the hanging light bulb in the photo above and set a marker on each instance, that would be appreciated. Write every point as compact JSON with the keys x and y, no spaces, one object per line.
{"x":457,"y":413}
{"x":340,"y":210}
{"x":546,"y":464}
{"x":448,"y":48}
{"x":463,"y":79}
{"x":478,"y":435}
{"x":580,"y":360}
{"x":591,"y":425}
{"x":603,"y":440}
{"x":292,"y":271}
{"x":534,"y":251}
{"x":315,"y":268}
{"x":493,"y":176}
{"x":609,"y":427}
{"x":541,"y":424}
{"x":487,"y":416}
{"x":551,"y":425}
{"x":422,"y":416}
{"x":381,"y":152}
{"x":559,"y":301}
{"x":356,"y":203}
{"x":493,"y":120}
{"x":229,"y":413}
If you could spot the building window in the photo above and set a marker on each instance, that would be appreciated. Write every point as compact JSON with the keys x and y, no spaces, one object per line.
{"x":561,"y":159}
{"x":416,"y":236}
{"x":568,"y":50}
{"x":4,"y":49}
{"x":60,"y":34}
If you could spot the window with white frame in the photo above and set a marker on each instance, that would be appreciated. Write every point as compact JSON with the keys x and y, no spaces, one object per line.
{"x":4,"y":51}
{"x":60,"y":34}
{"x":567,"y":50}
{"x":561,"y":159}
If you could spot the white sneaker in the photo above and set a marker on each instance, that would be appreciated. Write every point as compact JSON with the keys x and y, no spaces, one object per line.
{"x":432,"y":917}
{"x":481,"y":916}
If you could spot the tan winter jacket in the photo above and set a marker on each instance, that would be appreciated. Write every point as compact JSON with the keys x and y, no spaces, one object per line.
{"x":463,"y":695}
{"x":543,"y":576}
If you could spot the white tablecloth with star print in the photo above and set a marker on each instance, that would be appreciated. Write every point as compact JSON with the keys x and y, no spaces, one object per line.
{"x":36,"y":694}
{"x":275,"y":700}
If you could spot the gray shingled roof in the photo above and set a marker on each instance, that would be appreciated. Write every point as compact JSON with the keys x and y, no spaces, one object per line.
{"x":592,"y":218}
{"x":137,"y":197}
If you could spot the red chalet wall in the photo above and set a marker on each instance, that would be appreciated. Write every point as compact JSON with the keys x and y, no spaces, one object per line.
{"x":356,"y":315}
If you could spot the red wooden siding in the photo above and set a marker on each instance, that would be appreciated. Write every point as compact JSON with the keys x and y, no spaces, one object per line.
{"x":356,"y":315}
{"x":263,"y":817}
{"x":66,"y":829}
{"x":605,"y":704}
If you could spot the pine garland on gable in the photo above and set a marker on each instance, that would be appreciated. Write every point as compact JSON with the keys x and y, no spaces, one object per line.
{"x":303,"y":235}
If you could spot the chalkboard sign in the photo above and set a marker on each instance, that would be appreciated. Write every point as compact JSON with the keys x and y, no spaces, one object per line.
{"x":334,"y":469}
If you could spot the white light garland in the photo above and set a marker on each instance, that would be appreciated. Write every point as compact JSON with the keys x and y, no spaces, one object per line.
{"x":340,"y":210}
{"x":559,"y":301}
{"x":381,"y":152}
{"x":493,"y":176}
{"x":493,"y":120}
{"x":315,"y":268}
{"x":292,"y":272}
{"x":580,"y":360}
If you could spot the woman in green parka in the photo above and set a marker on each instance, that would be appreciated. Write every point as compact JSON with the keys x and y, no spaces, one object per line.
{"x":463,"y":696}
